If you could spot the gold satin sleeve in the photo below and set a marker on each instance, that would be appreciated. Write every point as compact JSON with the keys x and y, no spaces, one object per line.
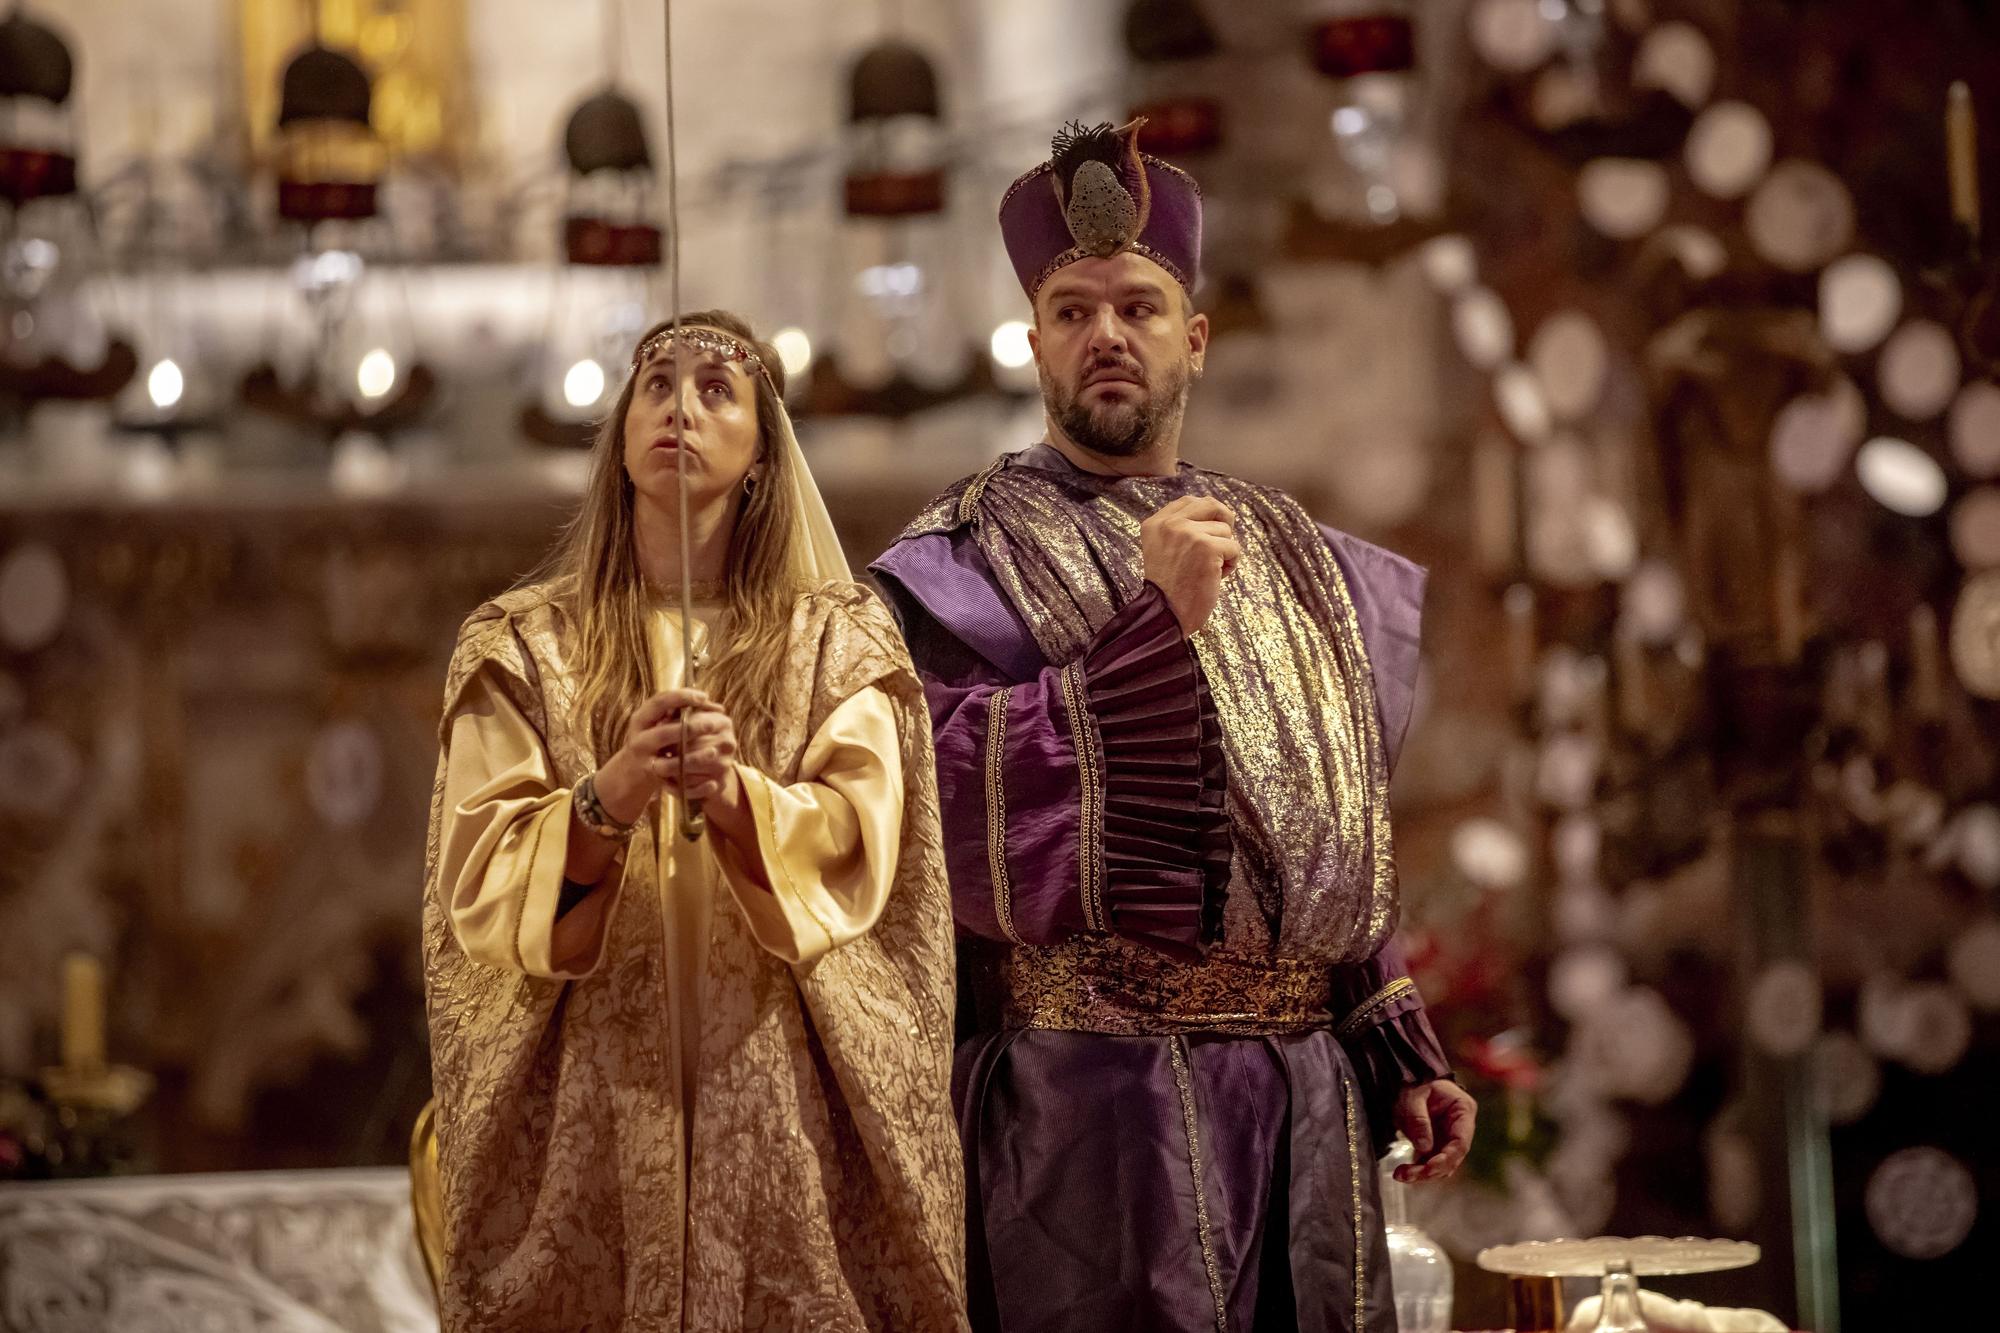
{"x":831,"y":841}
{"x":504,"y":843}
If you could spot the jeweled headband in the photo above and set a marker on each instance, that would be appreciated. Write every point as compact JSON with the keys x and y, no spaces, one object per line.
{"x":719,"y":341}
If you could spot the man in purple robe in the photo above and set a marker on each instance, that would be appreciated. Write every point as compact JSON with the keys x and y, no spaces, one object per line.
{"x":1166,"y":706}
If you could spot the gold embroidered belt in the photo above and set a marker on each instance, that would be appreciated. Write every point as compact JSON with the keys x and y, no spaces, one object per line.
{"x":1098,"y":983}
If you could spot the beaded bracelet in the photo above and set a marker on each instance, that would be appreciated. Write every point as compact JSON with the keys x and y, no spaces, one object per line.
{"x":591,"y":812}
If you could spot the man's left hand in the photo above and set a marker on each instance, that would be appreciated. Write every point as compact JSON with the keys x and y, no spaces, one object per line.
{"x":1437,"y":1117}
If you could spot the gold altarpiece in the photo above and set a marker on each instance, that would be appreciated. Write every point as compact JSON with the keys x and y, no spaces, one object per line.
{"x":414,"y":50}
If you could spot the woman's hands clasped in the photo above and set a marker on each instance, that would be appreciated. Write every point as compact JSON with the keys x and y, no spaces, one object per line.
{"x":679,"y":741}
{"x":683,"y":736}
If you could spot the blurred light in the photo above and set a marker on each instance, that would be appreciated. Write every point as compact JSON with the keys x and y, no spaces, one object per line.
{"x":1846,"y":1079}
{"x":1975,"y":842}
{"x":1489,"y":853}
{"x":1010,"y":345}
{"x":1783,"y":1009}
{"x":1523,"y":406}
{"x":795,"y":349}
{"x":890,"y":281}
{"x":165,"y":383}
{"x":1677,"y":58}
{"x":1921,"y":1203}
{"x":363,"y":465}
{"x":1975,"y":429}
{"x":149,"y":469}
{"x":1729,"y":149}
{"x":1655,"y":602}
{"x":26,"y":266}
{"x":1815,"y":435}
{"x":1611,"y":537}
{"x":1860,"y":299}
{"x":1512,"y":35}
{"x":1698,"y":251}
{"x":1450,"y":263}
{"x":329,"y":268}
{"x":1583,"y":978}
{"x":1350,"y":120}
{"x":584,"y":384}
{"x":1568,"y":355}
{"x":1918,"y":374}
{"x":1975,"y":964}
{"x":377,"y":374}
{"x":1624,"y":198}
{"x":1483,"y":327}
{"x":1901,"y":476}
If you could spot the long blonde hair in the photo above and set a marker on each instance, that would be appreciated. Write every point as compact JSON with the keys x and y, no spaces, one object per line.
{"x":594,"y":570}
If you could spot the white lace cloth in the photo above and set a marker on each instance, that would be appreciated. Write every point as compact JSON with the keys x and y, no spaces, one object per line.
{"x":259,"y":1252}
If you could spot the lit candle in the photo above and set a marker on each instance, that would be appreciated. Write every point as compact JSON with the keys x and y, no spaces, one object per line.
{"x":1962,"y":155}
{"x":1926,"y":665}
{"x":83,"y":1013}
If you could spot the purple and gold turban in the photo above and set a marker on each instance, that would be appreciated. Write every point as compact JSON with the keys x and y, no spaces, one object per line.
{"x":1098,"y":195}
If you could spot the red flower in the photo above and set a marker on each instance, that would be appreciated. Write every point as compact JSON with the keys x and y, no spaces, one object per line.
{"x":1505,"y":1060}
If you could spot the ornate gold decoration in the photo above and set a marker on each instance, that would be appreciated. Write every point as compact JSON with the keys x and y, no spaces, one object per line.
{"x":1103,"y":983}
{"x":1349,"y":1094}
{"x":414,"y":50}
{"x":1360,"y":1015}
{"x":1177,"y":1049}
{"x":1090,"y":825}
{"x":996,"y":812}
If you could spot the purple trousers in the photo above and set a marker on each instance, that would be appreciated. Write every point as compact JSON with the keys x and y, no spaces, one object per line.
{"x":1164,"y":1183}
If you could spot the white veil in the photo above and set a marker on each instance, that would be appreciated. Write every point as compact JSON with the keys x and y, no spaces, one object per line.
{"x":823,"y":556}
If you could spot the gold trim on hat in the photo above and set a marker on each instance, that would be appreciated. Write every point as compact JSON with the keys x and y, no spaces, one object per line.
{"x":1076,"y":252}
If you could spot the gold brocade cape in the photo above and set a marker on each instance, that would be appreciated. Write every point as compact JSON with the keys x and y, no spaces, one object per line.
{"x":825,"y":1187}
{"x":1284,"y":659}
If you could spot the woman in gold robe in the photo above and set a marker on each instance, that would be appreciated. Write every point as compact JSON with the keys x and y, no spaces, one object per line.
{"x":692,"y":1082}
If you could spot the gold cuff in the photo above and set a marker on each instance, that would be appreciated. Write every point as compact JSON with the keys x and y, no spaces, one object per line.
{"x":1359,"y":1017}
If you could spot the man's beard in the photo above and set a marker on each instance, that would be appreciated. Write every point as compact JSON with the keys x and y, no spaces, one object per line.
{"x":1116,"y":429}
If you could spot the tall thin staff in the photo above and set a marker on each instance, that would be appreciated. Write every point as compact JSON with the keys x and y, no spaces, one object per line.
{"x":692,"y":820}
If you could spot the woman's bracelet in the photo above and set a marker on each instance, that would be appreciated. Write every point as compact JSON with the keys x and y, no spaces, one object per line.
{"x":591,"y":812}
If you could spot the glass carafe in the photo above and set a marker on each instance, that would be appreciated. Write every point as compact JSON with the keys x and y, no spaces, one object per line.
{"x":1418,"y":1266}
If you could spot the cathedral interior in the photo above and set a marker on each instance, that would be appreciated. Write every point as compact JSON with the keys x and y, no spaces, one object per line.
{"x":1662,"y":332}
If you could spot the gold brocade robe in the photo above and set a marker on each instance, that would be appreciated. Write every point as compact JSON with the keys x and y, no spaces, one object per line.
{"x":1282,"y":653}
{"x":640,"y":1130}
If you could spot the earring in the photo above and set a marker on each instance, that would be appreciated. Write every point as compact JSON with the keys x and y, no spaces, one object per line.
{"x":749,"y":483}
